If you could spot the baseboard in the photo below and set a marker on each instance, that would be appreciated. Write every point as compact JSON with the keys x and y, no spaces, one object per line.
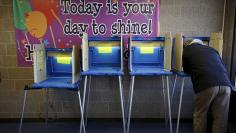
{"x":15,"y":120}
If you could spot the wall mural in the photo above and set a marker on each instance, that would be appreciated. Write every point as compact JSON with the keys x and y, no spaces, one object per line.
{"x":60,"y":23}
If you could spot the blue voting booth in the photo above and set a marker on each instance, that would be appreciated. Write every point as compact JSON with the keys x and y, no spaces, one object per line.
{"x":150,"y":56}
{"x":103,"y":56}
{"x":58,"y":70}
{"x":147,"y":56}
{"x":55,"y":68}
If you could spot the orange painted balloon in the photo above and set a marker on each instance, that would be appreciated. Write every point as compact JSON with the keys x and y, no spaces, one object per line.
{"x":114,"y":1}
{"x":36,"y":23}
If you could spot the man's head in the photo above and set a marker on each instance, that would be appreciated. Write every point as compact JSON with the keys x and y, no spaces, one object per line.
{"x":191,"y":41}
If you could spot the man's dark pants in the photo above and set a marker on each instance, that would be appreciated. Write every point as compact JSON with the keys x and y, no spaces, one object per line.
{"x":217,"y":98}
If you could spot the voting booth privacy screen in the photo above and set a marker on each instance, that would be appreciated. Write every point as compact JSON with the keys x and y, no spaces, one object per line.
{"x":59,"y":62}
{"x":150,"y":54}
{"x":147,"y":54}
{"x":102,"y":55}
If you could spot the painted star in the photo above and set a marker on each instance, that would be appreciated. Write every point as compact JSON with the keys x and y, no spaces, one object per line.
{"x":45,"y":42}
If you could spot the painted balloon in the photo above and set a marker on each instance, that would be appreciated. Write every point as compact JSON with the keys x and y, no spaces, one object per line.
{"x":114,"y":1}
{"x":48,"y":7}
{"x":36,"y":23}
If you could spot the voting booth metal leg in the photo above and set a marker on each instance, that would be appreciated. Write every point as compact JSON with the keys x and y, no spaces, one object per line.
{"x":87,"y":104}
{"x":180,"y":104}
{"x":122,"y":104}
{"x":46,"y":109}
{"x":82,"y":114}
{"x":82,"y":126}
{"x":130,"y":102}
{"x":173,"y":90}
{"x":23,"y":110}
{"x":169,"y":105}
{"x":164,"y":99}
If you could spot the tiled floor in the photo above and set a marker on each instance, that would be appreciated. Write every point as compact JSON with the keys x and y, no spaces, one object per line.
{"x":94,"y":126}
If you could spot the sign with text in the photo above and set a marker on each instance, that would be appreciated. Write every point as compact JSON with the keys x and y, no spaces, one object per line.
{"x":61,"y":23}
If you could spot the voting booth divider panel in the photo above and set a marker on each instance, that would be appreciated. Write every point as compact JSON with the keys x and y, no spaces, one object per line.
{"x":168,"y":51}
{"x":39,"y":63}
{"x":178,"y":52}
{"x":76,"y":63}
{"x":216,"y":42}
{"x":85,"y":65}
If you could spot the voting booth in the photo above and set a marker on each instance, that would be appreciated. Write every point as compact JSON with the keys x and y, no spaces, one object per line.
{"x":150,"y":56}
{"x":215,"y":41}
{"x":103,"y":56}
{"x":55,"y":68}
{"x":178,"y":49}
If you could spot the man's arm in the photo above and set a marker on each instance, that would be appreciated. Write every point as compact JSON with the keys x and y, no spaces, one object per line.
{"x":217,"y":53}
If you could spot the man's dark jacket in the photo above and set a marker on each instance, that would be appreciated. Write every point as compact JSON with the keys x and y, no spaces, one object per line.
{"x":205,"y":67}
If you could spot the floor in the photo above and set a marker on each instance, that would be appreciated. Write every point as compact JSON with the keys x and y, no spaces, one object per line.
{"x":94,"y":126}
